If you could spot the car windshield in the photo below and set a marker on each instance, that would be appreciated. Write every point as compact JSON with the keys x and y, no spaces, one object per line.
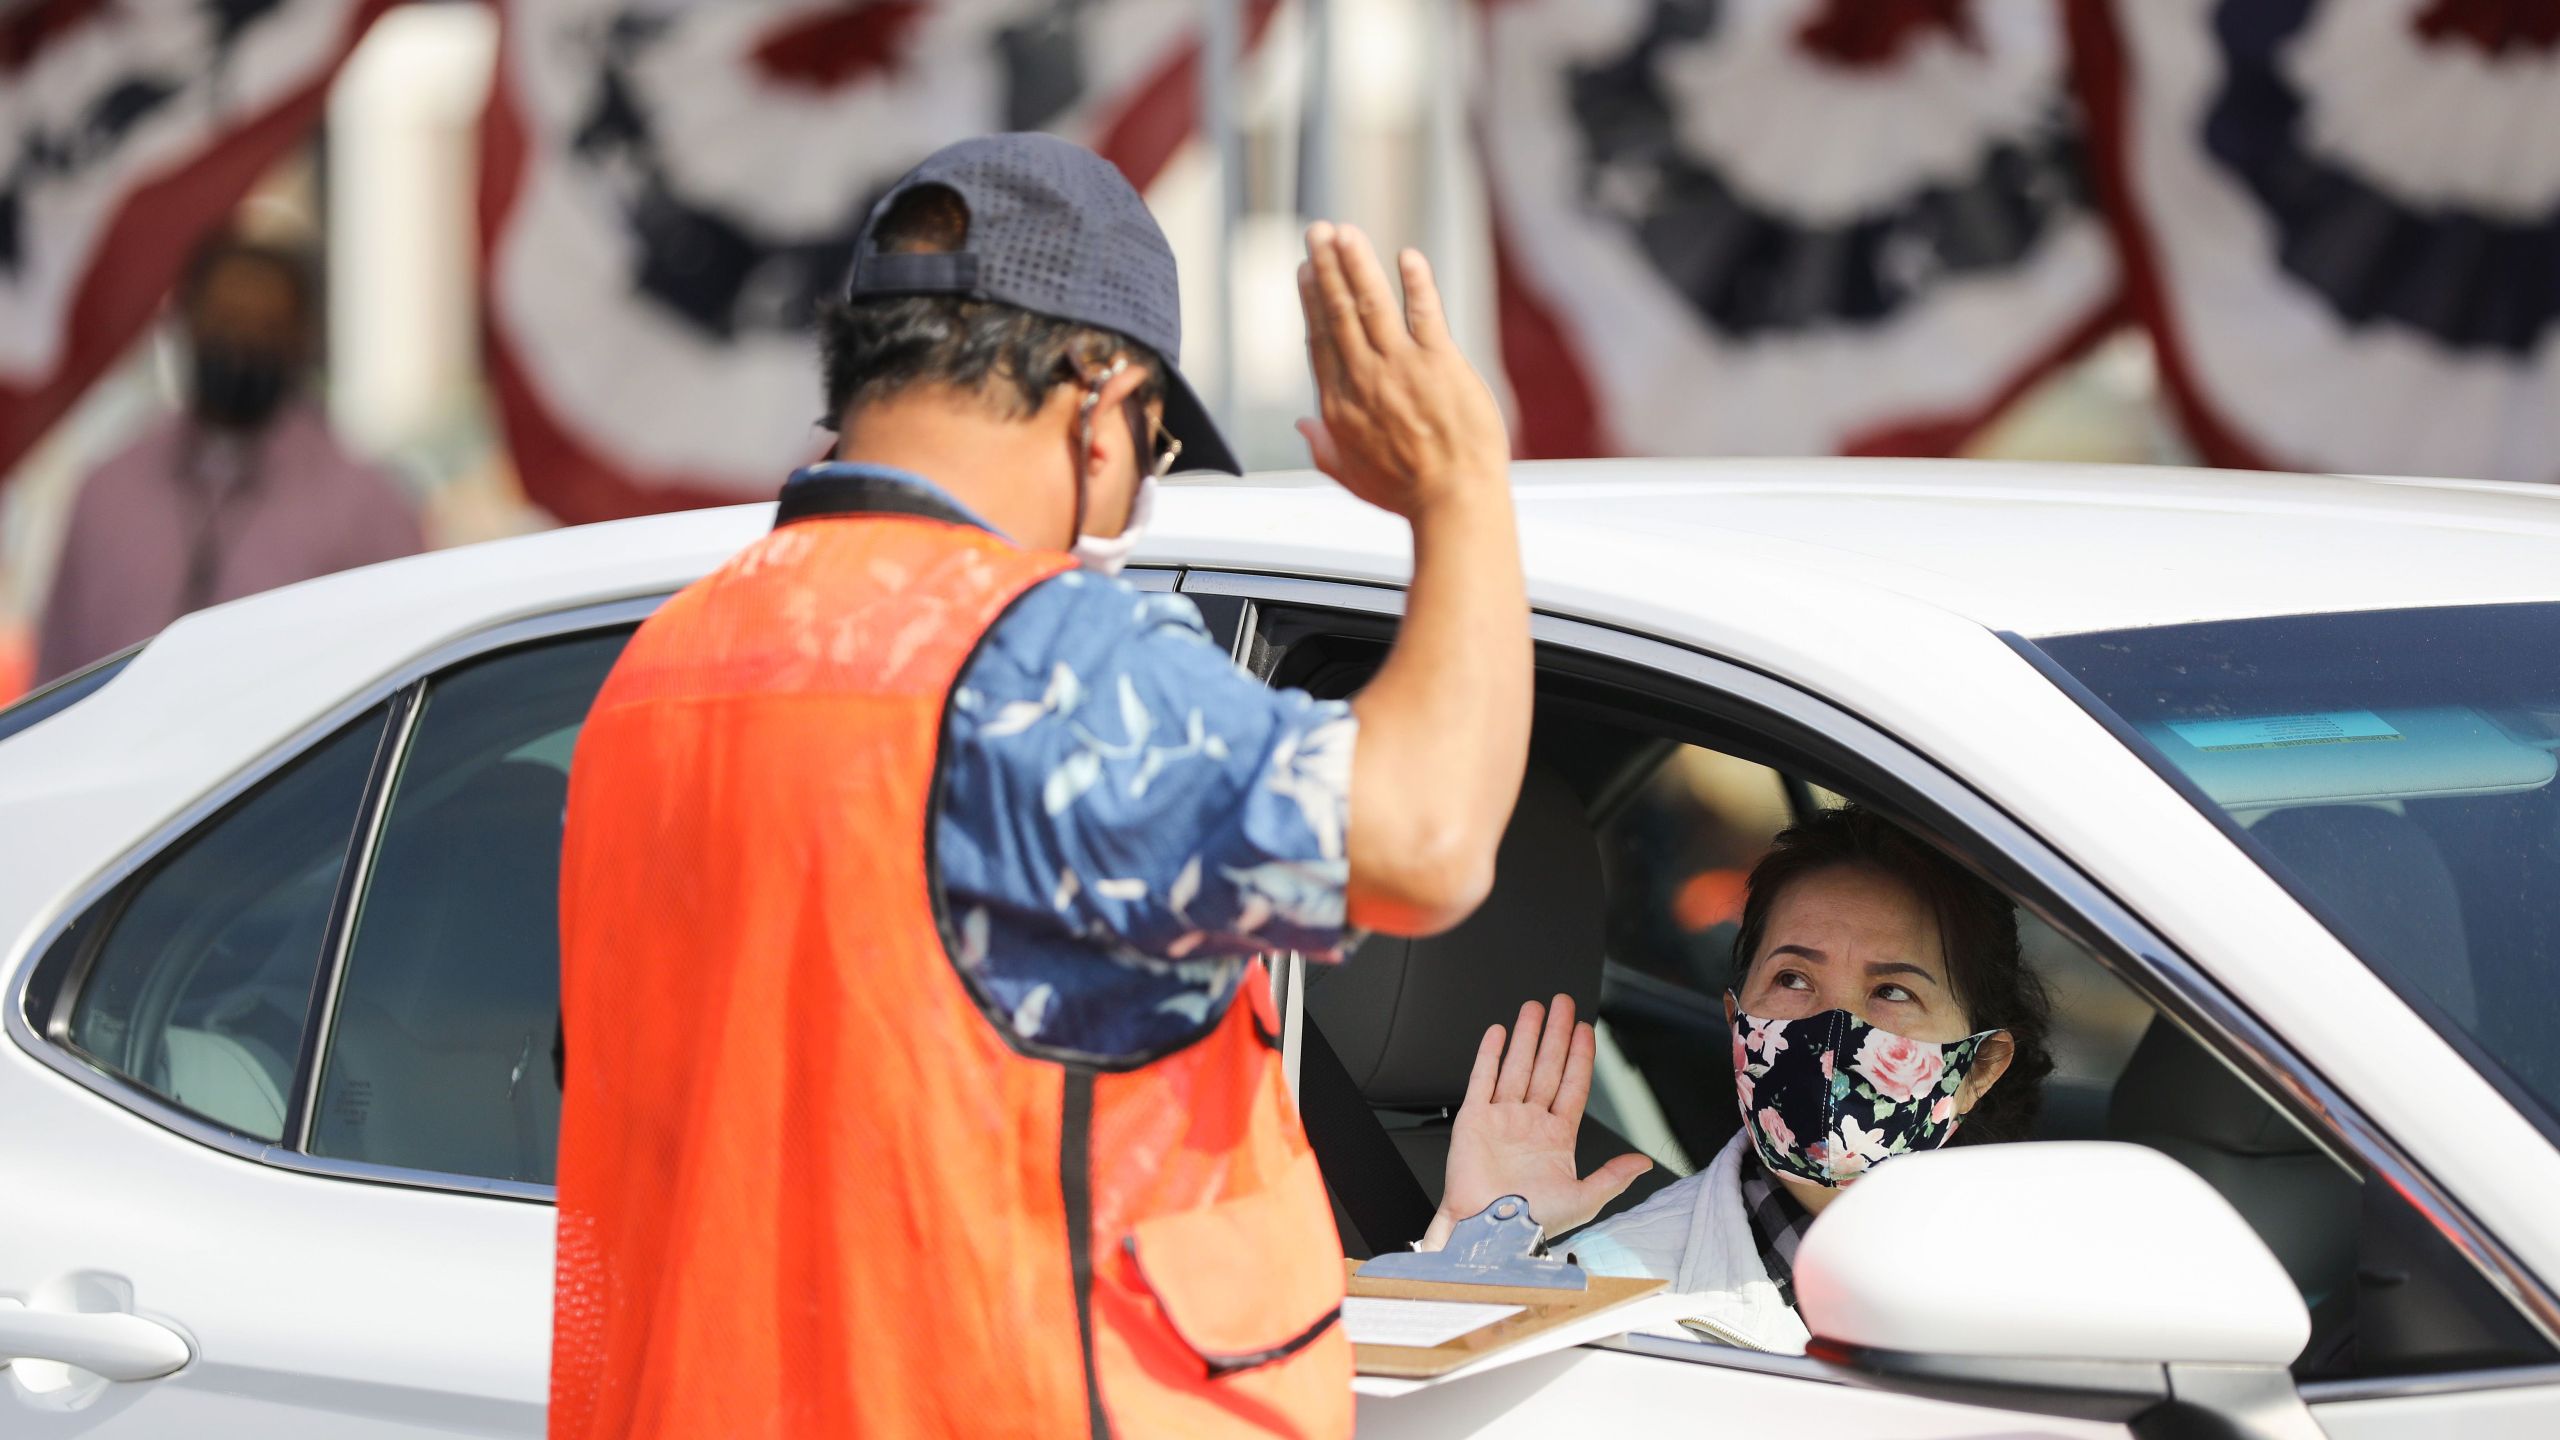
{"x":62,"y":694}
{"x":2393,"y":769}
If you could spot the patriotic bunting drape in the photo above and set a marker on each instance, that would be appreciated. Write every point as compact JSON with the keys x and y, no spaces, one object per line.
{"x":1721,"y":226}
{"x":1784,"y":226}
{"x":2342,"y":219}
{"x":127,"y":131}
{"x":670,"y":188}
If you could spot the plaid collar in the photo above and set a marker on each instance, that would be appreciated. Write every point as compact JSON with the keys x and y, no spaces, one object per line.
{"x":1778,"y":1223}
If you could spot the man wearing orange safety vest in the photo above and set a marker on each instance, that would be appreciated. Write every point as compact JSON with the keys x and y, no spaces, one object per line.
{"x":923,"y":1082}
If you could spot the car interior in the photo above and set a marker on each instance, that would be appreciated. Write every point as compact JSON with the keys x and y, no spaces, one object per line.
{"x":199,"y":971}
{"x":441,"y":1057}
{"x":441,"y":1052}
{"x":1621,"y":877}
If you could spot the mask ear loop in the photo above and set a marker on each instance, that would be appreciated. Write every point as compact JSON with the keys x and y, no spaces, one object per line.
{"x":1084,"y":438}
{"x":1832,"y":1044}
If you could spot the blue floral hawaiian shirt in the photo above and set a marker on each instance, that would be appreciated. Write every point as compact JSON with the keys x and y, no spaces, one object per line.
{"x":1127,"y":817}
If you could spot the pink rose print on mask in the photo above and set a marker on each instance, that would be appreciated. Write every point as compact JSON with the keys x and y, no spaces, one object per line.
{"x":1774,"y":1128}
{"x":1899,"y":1067}
{"x":1944,"y":1111}
{"x":1743,"y":1084}
{"x":1826,"y":1064}
{"x":1769,"y":1039}
{"x":1852,"y":1148}
{"x":1741,"y":1053}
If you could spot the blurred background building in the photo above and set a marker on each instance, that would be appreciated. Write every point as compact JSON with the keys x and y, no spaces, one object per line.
{"x":570,"y":246}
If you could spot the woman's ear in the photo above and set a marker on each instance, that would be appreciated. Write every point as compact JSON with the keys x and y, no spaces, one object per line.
{"x":1989,"y":1064}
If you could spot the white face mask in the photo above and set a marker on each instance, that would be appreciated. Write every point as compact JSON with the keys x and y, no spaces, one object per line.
{"x":1106,"y":554}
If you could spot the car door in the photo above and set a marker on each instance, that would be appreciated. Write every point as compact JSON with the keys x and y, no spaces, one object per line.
{"x":2125,"y":987}
{"x":292,"y":1121}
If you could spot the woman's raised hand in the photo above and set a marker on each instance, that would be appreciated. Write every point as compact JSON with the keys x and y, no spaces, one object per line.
{"x":1514,"y":1131}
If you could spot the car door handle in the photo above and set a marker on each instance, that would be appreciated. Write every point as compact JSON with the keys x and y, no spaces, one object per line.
{"x":109,"y":1344}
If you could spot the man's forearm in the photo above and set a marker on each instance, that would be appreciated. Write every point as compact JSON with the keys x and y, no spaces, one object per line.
{"x":1444,"y":727}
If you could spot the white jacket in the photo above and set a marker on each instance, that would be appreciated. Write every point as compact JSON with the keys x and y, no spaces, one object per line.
{"x":1695,"y":1235}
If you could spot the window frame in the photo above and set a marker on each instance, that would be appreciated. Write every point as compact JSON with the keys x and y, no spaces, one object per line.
{"x":2073,"y":902}
{"x":62,"y":693}
{"x":38,"y":1012}
{"x":79,"y":960}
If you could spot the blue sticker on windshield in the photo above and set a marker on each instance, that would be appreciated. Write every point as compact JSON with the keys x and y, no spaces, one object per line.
{"x":2272,"y":732}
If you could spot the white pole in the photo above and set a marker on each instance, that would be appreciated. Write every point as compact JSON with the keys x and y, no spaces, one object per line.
{"x":1316,"y":198}
{"x":1221,"y":63}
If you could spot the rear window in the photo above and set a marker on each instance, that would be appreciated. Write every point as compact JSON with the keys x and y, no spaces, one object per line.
{"x":51,"y":700}
{"x":2394,"y":770}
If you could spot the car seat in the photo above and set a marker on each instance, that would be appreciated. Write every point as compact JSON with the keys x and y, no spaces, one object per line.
{"x":2382,"y":878}
{"x":1405,"y":1015}
{"x":442,"y":1056}
{"x":2176,"y":1098}
{"x":224,"y":1079}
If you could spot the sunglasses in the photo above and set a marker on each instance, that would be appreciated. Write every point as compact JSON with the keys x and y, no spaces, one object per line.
{"x":1162,"y":449}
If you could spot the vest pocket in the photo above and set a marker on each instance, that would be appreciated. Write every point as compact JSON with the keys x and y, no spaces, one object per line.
{"x":1249,"y":1281}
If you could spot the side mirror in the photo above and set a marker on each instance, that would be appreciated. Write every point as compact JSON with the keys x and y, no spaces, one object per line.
{"x":2094,"y":1280}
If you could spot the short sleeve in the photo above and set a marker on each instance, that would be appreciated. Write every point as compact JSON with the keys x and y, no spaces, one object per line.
{"x":1110,"y":776}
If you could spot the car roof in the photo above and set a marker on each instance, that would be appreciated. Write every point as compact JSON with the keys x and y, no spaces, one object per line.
{"x":2039,"y":549}
{"x":1833,"y":568}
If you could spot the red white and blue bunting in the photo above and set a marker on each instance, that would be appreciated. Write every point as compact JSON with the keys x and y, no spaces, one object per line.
{"x":1784,"y":226}
{"x":128,"y":130}
{"x":2342,"y":222}
{"x":671,"y":188}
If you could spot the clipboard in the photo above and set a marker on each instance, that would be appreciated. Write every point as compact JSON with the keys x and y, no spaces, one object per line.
{"x":1491,"y":1259}
{"x":1542,"y":1310}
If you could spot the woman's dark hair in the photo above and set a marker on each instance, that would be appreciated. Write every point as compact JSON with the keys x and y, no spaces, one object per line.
{"x":1977,"y":927}
{"x":873,"y":348}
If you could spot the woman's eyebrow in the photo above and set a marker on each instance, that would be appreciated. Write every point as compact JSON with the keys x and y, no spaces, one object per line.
{"x":1807,"y":951}
{"x":1899,"y":967}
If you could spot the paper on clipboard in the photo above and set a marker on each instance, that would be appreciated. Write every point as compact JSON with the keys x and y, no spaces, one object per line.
{"x":1416,"y":1324}
{"x":1657,"y":1313}
{"x":1533,"y":1321}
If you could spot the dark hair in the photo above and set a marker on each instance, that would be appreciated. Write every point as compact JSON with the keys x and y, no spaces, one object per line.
{"x":875,"y":347}
{"x":295,"y":264}
{"x":1977,"y":928}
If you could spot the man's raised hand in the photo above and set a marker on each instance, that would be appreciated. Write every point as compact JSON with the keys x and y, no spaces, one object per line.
{"x":1404,"y":422}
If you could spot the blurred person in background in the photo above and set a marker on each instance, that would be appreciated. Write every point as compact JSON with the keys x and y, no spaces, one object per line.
{"x":243,"y":491}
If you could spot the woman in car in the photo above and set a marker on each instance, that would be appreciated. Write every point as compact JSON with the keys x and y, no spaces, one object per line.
{"x":1882,"y":1008}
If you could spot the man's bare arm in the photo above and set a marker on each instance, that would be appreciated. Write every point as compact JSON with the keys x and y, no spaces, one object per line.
{"x":1409,"y":426}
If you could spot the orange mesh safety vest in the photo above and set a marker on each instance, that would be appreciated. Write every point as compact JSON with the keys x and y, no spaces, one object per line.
{"x":806,"y":1187}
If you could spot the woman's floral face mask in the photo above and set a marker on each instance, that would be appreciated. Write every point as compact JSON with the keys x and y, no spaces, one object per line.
{"x":1829,"y":1095}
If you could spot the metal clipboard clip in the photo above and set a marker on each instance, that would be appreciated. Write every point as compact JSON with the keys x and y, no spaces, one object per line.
{"x":1497,"y":1245}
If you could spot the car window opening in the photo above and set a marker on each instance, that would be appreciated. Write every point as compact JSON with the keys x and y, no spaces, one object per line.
{"x":1669,"y":810}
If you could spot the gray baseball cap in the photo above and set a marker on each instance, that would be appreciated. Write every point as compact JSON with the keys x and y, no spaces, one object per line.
{"x":1057,"y":230}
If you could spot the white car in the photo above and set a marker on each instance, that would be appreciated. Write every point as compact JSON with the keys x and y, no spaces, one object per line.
{"x":2268,"y":760}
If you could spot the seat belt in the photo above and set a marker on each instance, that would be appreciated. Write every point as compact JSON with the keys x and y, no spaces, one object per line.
{"x":1362,"y":1166}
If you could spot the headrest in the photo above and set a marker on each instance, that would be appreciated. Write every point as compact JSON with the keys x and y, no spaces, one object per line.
{"x":2386,"y":882}
{"x":2173,"y":1089}
{"x":2383,"y":878}
{"x":467,"y":904}
{"x":1405,"y":1015}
